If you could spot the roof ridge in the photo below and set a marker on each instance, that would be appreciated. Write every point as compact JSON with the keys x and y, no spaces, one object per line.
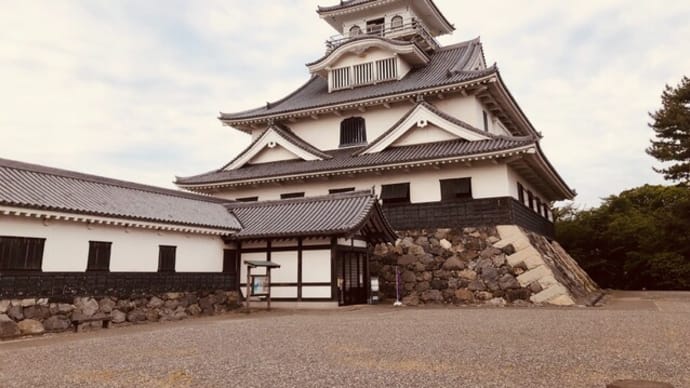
{"x":276,"y":202}
{"x":99,"y":179}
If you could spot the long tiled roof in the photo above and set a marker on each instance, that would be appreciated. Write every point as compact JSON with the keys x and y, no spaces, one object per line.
{"x":46,"y":188}
{"x":338,"y":214}
{"x":447,"y":66}
{"x":344,"y":159}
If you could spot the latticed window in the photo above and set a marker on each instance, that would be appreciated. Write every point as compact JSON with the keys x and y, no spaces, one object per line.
{"x":355,"y":31}
{"x":386,"y":69}
{"x":364,"y":73}
{"x":99,"y":256}
{"x":396,"y":193}
{"x":340,"y":78}
{"x":21,"y":253}
{"x":353,"y":131}
{"x":166,"y":258}
{"x":452,"y":189}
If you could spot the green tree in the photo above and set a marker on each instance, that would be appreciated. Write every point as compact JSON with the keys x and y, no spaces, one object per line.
{"x":637,"y":239}
{"x":671,"y":125}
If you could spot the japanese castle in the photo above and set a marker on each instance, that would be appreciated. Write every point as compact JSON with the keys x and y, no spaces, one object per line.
{"x":433,"y":129}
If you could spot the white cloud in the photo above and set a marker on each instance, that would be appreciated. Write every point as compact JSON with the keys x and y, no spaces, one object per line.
{"x":131,"y":89}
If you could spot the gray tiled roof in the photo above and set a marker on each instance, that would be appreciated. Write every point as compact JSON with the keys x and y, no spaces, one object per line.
{"x":447,"y":66}
{"x":343,"y":159}
{"x":46,"y":188}
{"x":343,"y":4}
{"x":337,"y":214}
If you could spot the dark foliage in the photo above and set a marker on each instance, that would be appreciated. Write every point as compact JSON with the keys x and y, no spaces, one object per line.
{"x":671,"y":125}
{"x":637,"y":239}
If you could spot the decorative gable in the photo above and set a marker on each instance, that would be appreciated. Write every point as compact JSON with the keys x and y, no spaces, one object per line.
{"x":425,"y":124}
{"x":276,"y":143}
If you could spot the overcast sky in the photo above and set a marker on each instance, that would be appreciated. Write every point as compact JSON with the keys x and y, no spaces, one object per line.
{"x":132,"y":89}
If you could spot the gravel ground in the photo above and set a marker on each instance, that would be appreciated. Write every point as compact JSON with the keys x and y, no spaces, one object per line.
{"x":633,"y":337}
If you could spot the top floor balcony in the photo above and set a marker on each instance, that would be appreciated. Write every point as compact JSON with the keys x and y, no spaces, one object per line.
{"x":410,"y":30}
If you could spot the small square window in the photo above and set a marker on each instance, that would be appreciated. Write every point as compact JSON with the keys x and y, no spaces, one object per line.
{"x":99,"y":256}
{"x":452,"y":189}
{"x":166,"y":258}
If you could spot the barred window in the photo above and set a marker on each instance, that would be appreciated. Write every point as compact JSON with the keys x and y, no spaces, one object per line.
{"x":21,"y":253}
{"x":452,"y":189}
{"x":292,"y":195}
{"x":353,"y":131}
{"x":166,"y":258}
{"x":396,"y":193}
{"x":343,"y":190}
{"x":396,"y":22}
{"x":99,"y":256}
{"x":355,"y":31}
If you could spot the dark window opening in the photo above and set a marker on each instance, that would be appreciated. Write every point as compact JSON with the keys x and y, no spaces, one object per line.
{"x":486,"y":121}
{"x":353,"y":131}
{"x":230,"y":261}
{"x":396,"y":22}
{"x":537,"y":207}
{"x":21,"y":253}
{"x":521,"y":193}
{"x":546,"y":211}
{"x":166,"y":258}
{"x":460,"y":188}
{"x":530,"y":198}
{"x":292,"y":195}
{"x":338,"y":191}
{"x":375,"y":27}
{"x":99,"y":256}
{"x":247,"y":199}
{"x":397,"y":193}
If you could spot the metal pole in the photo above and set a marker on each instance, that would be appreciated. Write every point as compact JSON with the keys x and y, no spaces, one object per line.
{"x":249,"y":277}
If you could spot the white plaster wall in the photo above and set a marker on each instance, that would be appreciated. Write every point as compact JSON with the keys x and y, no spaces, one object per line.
{"x":316,"y":292}
{"x":488,"y":181}
{"x":428,"y":134}
{"x":275,"y":154}
{"x":287,"y":273}
{"x":133,"y":250}
{"x":316,"y":267}
{"x":370,"y":55}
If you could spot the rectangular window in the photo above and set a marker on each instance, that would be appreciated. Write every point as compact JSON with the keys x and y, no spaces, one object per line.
{"x":338,"y":191}
{"x":292,"y":195}
{"x":21,"y":253}
{"x":364,"y":73}
{"x":486,"y":121}
{"x":247,"y":199}
{"x":99,"y":256}
{"x":386,"y":69}
{"x":452,"y":189}
{"x":397,"y":193}
{"x":166,"y":258}
{"x":546,"y":211}
{"x":375,"y":27}
{"x":537,"y":207}
{"x":521,"y":194}
{"x":530,"y":198}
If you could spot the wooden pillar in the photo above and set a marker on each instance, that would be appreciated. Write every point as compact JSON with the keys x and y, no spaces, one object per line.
{"x":268,"y":278}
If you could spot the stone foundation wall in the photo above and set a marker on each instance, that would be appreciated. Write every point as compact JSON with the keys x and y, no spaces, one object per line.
{"x":494,"y":265}
{"x":40,"y":315}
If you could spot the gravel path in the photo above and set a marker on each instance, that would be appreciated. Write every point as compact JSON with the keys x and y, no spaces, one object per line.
{"x":373,"y":346}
